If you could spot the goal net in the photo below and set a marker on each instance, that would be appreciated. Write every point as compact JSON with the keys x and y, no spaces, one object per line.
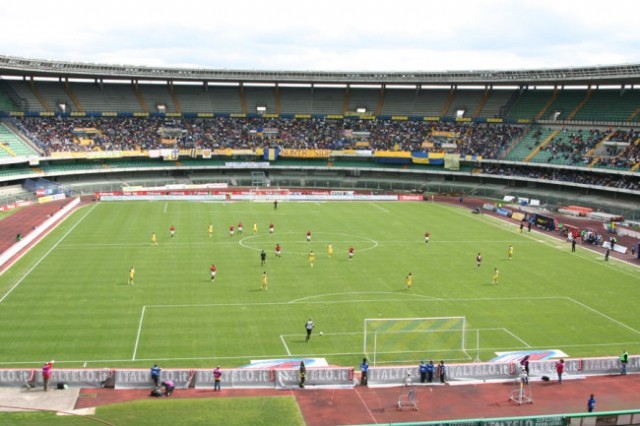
{"x":408,"y":340}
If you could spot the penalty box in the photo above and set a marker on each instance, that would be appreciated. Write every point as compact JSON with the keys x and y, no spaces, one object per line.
{"x":275,"y":329}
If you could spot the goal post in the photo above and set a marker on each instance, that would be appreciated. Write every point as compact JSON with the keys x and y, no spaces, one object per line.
{"x":408,"y":339}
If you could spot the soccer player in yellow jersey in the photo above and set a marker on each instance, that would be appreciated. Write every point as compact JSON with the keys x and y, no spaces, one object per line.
{"x":330,"y":250}
{"x":264,"y":281}
{"x":510,"y":252}
{"x":154,"y":239}
{"x":312,"y":258}
{"x":408,"y":281}
{"x":496,"y":274}
{"x":132,"y":273}
{"x":210,"y":230}
{"x":255,"y":228}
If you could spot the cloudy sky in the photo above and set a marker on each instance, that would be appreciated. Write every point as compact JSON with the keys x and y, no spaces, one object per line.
{"x":328,"y":35}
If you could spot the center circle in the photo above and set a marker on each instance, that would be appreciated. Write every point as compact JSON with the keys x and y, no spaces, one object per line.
{"x":296,"y":243}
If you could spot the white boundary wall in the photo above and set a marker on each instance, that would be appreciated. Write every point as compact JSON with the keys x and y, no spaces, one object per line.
{"x":323,"y":377}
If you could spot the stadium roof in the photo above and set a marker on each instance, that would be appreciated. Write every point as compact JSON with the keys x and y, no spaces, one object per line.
{"x":599,"y":75}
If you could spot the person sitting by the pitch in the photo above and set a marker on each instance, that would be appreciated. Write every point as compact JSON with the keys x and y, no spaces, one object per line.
{"x":169,"y":387}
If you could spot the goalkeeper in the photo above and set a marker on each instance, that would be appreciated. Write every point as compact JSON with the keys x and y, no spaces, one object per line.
{"x":309,"y":328}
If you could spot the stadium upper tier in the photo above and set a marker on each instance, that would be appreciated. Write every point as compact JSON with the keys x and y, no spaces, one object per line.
{"x":594,"y":94}
{"x":36,"y":97}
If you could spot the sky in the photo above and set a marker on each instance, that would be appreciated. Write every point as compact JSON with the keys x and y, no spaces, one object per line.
{"x":327,"y":35}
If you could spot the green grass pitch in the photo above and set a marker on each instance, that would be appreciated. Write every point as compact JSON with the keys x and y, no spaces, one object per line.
{"x":69,"y":299}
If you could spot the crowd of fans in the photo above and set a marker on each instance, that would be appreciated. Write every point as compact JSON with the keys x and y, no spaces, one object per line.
{"x":608,"y":180}
{"x":626,"y":157}
{"x":491,"y":141}
{"x":572,"y":147}
{"x":62,"y":134}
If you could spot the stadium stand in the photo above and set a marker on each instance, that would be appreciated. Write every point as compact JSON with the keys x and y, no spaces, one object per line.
{"x":548,"y":129}
{"x":299,"y":100}
{"x":466,"y":101}
{"x":496,"y":103}
{"x":609,"y":105}
{"x":52,"y":95}
{"x":529,"y":104}
{"x":363,"y":98}
{"x":565,"y":104}
{"x":5,"y":102}
{"x":194,"y":98}
{"x":260,"y":97}
{"x":403,"y":102}
{"x":11,"y":145}
{"x":27,"y":99}
{"x":121,"y":97}
{"x":327,"y":101}
{"x":155,"y":96}
{"x":225,"y":99}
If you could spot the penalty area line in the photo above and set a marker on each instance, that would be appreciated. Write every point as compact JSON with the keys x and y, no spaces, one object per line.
{"x":506,"y":330}
{"x":286,"y":348}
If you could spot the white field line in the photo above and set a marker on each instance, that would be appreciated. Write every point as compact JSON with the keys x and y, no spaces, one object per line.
{"x":283,"y":355}
{"x":366,"y":406}
{"x":506,"y":330}
{"x":421,"y":299}
{"x":145,"y":244}
{"x":135,"y":346}
{"x":224,"y":305}
{"x":379,"y":208}
{"x":284,"y":343}
{"x":315,"y":335}
{"x":302,"y":299}
{"x":595,"y":311}
{"x":46,"y":254}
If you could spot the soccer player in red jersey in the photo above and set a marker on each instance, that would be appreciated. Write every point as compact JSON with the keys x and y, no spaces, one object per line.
{"x":213,"y":272}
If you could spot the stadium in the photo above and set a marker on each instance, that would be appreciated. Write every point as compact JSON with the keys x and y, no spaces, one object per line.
{"x":420,"y":172}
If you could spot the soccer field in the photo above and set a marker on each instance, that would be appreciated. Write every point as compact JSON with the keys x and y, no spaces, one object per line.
{"x":69,"y":298}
